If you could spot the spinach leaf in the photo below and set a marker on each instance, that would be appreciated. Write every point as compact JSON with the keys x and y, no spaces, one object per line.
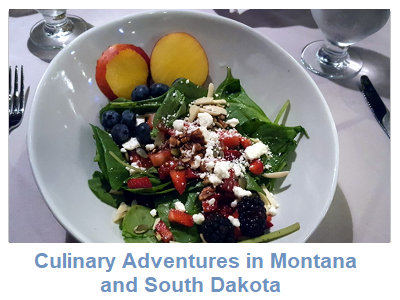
{"x":251,"y":184}
{"x":175,"y":106}
{"x":155,"y":190}
{"x":101,"y":188}
{"x":140,"y":107}
{"x":138,"y":215}
{"x":113,"y":171}
{"x":189,"y":89}
{"x":240,"y":106}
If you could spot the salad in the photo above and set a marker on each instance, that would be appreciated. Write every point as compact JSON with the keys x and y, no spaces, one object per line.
{"x":188,"y":164}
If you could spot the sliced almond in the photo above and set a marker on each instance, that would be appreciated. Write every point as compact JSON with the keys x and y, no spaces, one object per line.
{"x":214,"y":110}
{"x":156,"y":222}
{"x":210,"y":92}
{"x":203,"y":101}
{"x":209,"y":100}
{"x":193,"y":112}
{"x":120,"y":213}
{"x":276,"y":174}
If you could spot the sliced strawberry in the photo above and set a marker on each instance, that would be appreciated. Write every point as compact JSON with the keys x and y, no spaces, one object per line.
{"x":141,"y":161}
{"x":245,"y":142}
{"x":139,"y":183}
{"x":237,"y":232}
{"x":164,"y":232}
{"x":160,"y":157}
{"x":190,"y":174}
{"x":269,"y":223}
{"x":256,"y":167}
{"x":165,"y":168}
{"x":210,"y":205}
{"x":231,"y":154}
{"x":180,"y":217}
{"x":179,"y":180}
{"x":230,"y":138}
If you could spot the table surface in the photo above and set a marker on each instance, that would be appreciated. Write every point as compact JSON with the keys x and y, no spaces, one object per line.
{"x":360,"y":210}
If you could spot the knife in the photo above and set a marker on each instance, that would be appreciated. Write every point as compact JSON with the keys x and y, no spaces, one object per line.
{"x":381,"y":113}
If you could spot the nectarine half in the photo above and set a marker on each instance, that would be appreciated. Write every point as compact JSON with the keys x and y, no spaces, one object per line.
{"x":120,"y":69}
{"x":178,"y":55}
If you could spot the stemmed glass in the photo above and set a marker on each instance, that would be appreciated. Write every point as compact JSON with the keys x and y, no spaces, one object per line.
{"x":333,"y":57}
{"x":57,"y":29}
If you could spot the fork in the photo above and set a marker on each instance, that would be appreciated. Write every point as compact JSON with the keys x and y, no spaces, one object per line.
{"x":16,"y":99}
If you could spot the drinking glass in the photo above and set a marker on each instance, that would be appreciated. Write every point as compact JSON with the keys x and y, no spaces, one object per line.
{"x":57,"y":29}
{"x":333,"y":57}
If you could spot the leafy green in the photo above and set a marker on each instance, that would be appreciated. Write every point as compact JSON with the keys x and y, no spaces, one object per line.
{"x":240,"y":106}
{"x":189,"y":89}
{"x":101,"y":188}
{"x":113,"y":171}
{"x":138,"y":215}
{"x":140,"y":107}
{"x":175,"y":106}
{"x":271,"y":236}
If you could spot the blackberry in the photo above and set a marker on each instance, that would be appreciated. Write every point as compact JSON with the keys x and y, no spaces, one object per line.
{"x":217,"y":229}
{"x":252,"y":216}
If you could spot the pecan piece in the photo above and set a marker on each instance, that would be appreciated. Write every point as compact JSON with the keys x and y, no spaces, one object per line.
{"x":197,"y":137}
{"x":174,"y":142}
{"x":206,"y":192}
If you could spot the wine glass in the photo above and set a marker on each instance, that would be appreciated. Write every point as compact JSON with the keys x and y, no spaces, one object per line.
{"x":333,"y":57}
{"x":57,"y":29}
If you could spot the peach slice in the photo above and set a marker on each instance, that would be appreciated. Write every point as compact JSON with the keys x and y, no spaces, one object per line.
{"x":120,"y":69}
{"x":178,"y":55}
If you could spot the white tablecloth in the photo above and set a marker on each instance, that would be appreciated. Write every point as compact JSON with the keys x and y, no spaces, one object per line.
{"x":360,"y":210}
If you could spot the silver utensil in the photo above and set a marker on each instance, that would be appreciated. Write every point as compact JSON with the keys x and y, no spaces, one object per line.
{"x":378,"y":108}
{"x":16,"y":99}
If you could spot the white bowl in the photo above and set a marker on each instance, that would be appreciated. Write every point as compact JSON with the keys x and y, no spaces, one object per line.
{"x":61,"y":147}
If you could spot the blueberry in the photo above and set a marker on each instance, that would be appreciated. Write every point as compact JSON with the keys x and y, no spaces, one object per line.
{"x":109,"y":119}
{"x":157,"y":89}
{"x":143,"y":134}
{"x":129,"y":119}
{"x":141,"y":92}
{"x":120,"y":134}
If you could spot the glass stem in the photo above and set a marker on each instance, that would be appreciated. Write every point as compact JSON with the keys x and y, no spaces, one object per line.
{"x":333,"y":55}
{"x":57,"y":26}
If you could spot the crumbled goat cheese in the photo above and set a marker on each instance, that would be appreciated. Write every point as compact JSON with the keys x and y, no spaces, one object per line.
{"x":234,"y":203}
{"x":210,"y":165}
{"x":232,"y":122}
{"x":205,"y":119}
{"x":214,"y":179}
{"x":150,"y":147}
{"x":198,"y":218}
{"x":178,"y":125}
{"x":196,"y":162}
{"x":256,"y":150}
{"x":153,"y":212}
{"x":180,"y":206}
{"x":235,"y":222}
{"x":239,"y":170}
{"x":221,"y":169}
{"x":240,"y":193}
{"x":140,"y":119}
{"x":211,"y":201}
{"x":131,"y":144}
